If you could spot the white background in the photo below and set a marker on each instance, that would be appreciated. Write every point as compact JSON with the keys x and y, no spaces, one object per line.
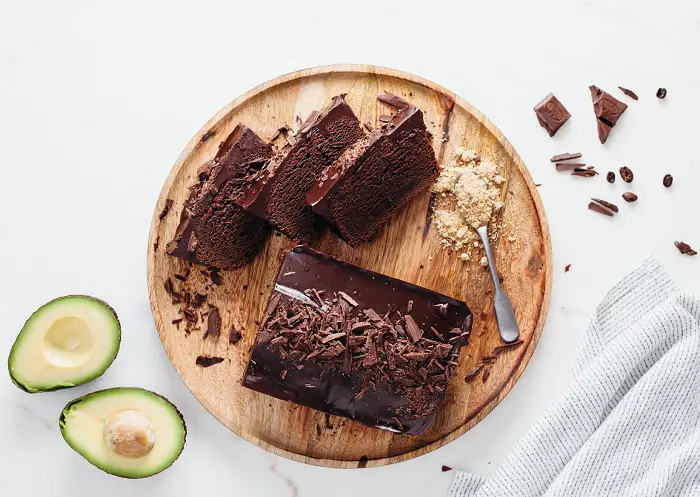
{"x":97,"y":100}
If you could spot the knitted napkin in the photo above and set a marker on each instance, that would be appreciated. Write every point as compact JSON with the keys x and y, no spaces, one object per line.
{"x":629,"y":422}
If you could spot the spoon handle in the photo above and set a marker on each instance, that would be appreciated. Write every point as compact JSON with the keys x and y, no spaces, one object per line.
{"x":505,"y":316}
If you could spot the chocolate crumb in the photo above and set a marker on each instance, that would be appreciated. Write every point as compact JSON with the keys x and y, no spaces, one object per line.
{"x":684,"y":248}
{"x":566,"y":269}
{"x":565,"y":156}
{"x":630,"y":197}
{"x":446,"y":468}
{"x":629,"y":93}
{"x":206,"y":360}
{"x":166,"y":209}
{"x":626,"y":174}
{"x":661,"y":93}
{"x":234,"y":336}
{"x":207,"y":135}
{"x":668,"y":181}
{"x":610,"y":177}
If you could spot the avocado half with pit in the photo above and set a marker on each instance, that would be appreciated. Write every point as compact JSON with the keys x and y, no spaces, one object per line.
{"x":66,"y":342}
{"x":127,"y":432}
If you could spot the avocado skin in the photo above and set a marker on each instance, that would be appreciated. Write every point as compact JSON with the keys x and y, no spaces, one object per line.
{"x":62,"y":422}
{"x":27,"y":389}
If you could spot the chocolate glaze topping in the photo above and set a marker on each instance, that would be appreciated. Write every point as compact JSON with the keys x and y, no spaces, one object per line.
{"x":358,"y":344}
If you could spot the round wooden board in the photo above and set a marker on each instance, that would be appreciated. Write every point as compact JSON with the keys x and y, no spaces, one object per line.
{"x":405,"y":249}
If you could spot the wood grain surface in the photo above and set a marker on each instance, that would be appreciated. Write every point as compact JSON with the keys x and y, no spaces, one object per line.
{"x":407,"y":248}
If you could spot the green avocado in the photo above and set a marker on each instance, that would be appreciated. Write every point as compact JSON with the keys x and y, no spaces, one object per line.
{"x":127,"y":432}
{"x":66,"y":342}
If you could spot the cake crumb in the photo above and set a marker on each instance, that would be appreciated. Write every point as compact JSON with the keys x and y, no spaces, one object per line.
{"x":464,"y":256}
{"x":484,"y":261}
{"x":466,"y":196}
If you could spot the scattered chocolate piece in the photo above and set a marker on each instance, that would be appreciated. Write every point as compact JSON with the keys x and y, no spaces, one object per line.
{"x":206,"y":360}
{"x":446,"y":468}
{"x":385,"y":118}
{"x":630,"y":197}
{"x":684,"y":248}
{"x":606,"y":204}
{"x":629,"y":93}
{"x":348,"y":299}
{"x":393,"y":100}
{"x":474,"y":373}
{"x":207,"y":135}
{"x":565,"y":156}
{"x":610,"y":177}
{"x":566,"y":269}
{"x":215,"y":276}
{"x":213,"y":324}
{"x":409,"y":306}
{"x":500,"y":348}
{"x":486,"y":374}
{"x":584,"y":172}
{"x":661,"y":93}
{"x":626,"y":174}
{"x":569,"y":166}
{"x":171,"y":291}
{"x":166,"y":209}
{"x":283,"y":374}
{"x":234,"y":336}
{"x":414,"y":332}
{"x":668,"y":181}
{"x":368,"y":126}
{"x":607,"y":110}
{"x":600,"y":209}
{"x":551,"y":114}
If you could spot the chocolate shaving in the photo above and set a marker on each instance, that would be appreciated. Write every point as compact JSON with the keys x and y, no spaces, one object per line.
{"x":565,"y":156}
{"x":606,"y":204}
{"x":171,"y":291}
{"x":272,"y":305}
{"x":205,"y":360}
{"x":569,"y":166}
{"x":396,"y":420}
{"x":414,"y":332}
{"x":506,"y":346}
{"x":213,"y":324}
{"x":368,"y":126}
{"x":684,"y":248}
{"x":473,"y":374}
{"x":385,"y":118}
{"x":629,"y":93}
{"x":409,"y":306}
{"x":393,"y":100}
{"x":600,"y":209}
{"x":584,"y":172}
{"x":166,"y":209}
{"x":348,"y":298}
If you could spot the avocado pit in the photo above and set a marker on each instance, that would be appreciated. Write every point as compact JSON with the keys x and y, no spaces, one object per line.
{"x":129,"y":433}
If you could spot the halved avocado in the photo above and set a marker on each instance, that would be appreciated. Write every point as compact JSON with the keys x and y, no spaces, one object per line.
{"x":66,"y":342}
{"x":127,"y":432}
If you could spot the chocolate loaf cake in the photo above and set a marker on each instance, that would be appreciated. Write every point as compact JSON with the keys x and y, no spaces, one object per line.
{"x":358,"y":344}
{"x":376,"y":176}
{"x":278,"y":196}
{"x":213,"y":229}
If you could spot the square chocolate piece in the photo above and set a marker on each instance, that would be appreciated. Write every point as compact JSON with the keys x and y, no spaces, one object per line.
{"x":551,"y":114}
{"x":355,"y":343}
{"x":607,"y":110}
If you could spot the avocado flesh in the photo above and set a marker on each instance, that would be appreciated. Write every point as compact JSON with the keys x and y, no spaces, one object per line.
{"x":67,"y":342}
{"x":83,"y":420}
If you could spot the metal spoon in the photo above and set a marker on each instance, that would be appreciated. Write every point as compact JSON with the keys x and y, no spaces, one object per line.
{"x":505,"y":316}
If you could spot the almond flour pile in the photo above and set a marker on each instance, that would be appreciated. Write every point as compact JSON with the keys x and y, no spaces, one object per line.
{"x":466,"y":195}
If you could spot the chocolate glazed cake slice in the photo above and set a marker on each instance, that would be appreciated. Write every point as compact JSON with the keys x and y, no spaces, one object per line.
{"x":355,"y":343}
{"x":278,"y":196}
{"x":213,"y":229}
{"x":377,"y":176}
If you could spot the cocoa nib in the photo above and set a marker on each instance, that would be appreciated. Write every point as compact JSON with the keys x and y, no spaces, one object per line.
{"x":565,"y":156}
{"x":630,"y":197}
{"x":668,"y":181}
{"x":610,"y":177}
{"x":166,"y":209}
{"x":684,"y":248}
{"x":629,"y":93}
{"x":206,"y":360}
{"x":626,"y":174}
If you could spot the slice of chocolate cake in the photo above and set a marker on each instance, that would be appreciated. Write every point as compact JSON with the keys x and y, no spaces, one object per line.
{"x":278,"y":196}
{"x":358,"y":344}
{"x":213,"y":229}
{"x":377,"y":176}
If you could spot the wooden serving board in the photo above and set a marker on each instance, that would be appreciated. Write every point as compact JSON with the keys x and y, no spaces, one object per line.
{"x":407,"y":248}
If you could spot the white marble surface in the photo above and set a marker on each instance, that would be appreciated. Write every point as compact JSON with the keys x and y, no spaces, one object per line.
{"x":97,"y":99}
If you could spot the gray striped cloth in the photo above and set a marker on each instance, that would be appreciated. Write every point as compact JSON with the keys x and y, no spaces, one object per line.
{"x":629,"y":422}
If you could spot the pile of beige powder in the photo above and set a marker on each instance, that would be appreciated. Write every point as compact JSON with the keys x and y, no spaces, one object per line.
{"x":466,"y":195}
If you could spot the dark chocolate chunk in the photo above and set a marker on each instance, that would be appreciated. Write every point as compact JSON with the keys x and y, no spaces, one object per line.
{"x":630,"y":197}
{"x":661,"y":93}
{"x":171,"y":290}
{"x":551,"y":114}
{"x":607,"y":110}
{"x":629,"y":93}
{"x":626,"y":174}
{"x":234,"y":336}
{"x":668,"y":181}
{"x":606,"y":204}
{"x":206,"y":360}
{"x":611,"y":177}
{"x":684,"y":248}
{"x":166,"y":209}
{"x":414,"y":332}
{"x":565,"y":156}
{"x":213,"y":324}
{"x":446,"y":468}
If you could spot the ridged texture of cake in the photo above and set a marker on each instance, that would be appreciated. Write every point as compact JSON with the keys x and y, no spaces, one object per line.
{"x":376,"y":177}
{"x":214,"y":230}
{"x":278,"y":196}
